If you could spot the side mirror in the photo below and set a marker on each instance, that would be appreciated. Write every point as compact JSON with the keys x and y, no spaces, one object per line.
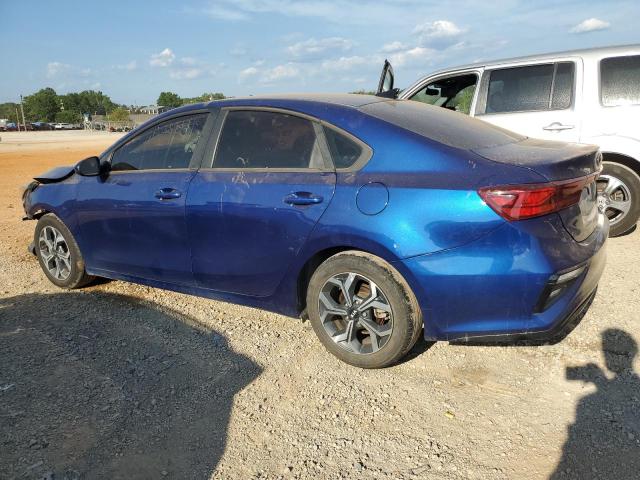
{"x":89,"y":167}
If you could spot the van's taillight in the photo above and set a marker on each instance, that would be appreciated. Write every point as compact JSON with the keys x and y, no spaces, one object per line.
{"x":517,"y":202}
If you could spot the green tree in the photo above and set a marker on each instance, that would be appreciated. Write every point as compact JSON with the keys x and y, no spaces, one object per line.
{"x":169,"y":99}
{"x":68,"y":116}
{"x":120,"y":114}
{"x":88,"y":101}
{"x":42,"y":106}
{"x":8,"y":111}
{"x":205,"y":97}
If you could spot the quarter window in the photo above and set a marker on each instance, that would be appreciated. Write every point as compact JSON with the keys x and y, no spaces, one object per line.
{"x":166,"y":146}
{"x":262,"y":139}
{"x":344,"y":151}
{"x":620,"y":81}
{"x":531,"y":88}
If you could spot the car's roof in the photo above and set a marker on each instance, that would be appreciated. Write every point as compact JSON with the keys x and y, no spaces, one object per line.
{"x":591,"y":53}
{"x":291,"y":100}
{"x":342,"y":99}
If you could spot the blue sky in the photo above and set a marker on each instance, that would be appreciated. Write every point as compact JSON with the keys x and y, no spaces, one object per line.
{"x":132,"y":50}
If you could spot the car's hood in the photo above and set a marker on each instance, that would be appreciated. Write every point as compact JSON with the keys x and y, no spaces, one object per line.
{"x":54,"y":175}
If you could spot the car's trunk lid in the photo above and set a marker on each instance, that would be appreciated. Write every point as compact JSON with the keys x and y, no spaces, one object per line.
{"x":557,"y":161}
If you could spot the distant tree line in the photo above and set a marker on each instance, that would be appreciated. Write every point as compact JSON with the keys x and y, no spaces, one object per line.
{"x":173,"y":100}
{"x":47,"y":106}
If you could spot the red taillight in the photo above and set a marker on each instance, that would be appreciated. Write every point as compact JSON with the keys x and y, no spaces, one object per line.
{"x":517,"y":202}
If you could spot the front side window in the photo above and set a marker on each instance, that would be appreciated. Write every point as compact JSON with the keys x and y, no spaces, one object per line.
{"x":620,"y":81}
{"x":263,"y":139}
{"x":531,"y":88}
{"x":453,"y":93}
{"x":166,"y":146}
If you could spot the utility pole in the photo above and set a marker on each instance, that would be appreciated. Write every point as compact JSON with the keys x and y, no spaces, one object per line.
{"x":24,"y":123}
{"x":17,"y":119}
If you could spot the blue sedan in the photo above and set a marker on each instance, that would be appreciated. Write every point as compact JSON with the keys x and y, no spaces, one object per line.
{"x":371,"y":217}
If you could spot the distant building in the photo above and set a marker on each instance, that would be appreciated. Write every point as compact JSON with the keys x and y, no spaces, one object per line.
{"x":154,"y":109}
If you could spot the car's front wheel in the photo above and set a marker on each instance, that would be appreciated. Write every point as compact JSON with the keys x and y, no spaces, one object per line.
{"x":619,"y":196}
{"x":362,"y":310}
{"x":58,"y":253}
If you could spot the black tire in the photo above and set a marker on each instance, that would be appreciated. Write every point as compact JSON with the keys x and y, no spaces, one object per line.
{"x":77,"y":276}
{"x":406,"y":314}
{"x":621,"y":224}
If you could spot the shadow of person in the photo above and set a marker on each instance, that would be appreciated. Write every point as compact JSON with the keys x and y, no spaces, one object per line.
{"x":604,"y":441}
{"x":97,"y":385}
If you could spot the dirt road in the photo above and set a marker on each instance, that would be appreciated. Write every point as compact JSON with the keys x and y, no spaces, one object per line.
{"x":124,"y":381}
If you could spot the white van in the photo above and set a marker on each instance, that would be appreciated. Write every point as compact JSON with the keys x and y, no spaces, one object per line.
{"x":587,"y":96}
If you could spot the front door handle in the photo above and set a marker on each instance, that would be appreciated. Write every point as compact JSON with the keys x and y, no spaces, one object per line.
{"x":557,"y":126}
{"x":168,"y":193}
{"x":302,"y":198}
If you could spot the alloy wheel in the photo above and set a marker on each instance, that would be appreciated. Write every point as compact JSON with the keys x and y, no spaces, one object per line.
{"x":355,"y":313}
{"x":55,"y":253}
{"x":614,"y":198}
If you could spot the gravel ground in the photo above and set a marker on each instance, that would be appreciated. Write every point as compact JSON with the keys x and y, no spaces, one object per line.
{"x":124,"y":381}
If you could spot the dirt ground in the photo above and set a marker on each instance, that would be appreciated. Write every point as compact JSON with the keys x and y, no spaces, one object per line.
{"x":124,"y":381}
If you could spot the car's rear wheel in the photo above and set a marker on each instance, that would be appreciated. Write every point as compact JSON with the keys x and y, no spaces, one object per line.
{"x":58,"y":253}
{"x":619,"y":197}
{"x":362,"y":310}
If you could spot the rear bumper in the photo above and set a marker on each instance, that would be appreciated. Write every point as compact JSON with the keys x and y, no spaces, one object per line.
{"x":490,"y":290}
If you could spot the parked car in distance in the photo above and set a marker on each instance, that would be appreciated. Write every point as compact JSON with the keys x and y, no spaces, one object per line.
{"x":371,"y":217}
{"x":588,"y":96}
{"x":41,"y":126}
{"x":62,"y":126}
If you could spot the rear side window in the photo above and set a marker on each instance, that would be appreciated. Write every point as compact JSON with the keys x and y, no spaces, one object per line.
{"x":168,"y":145}
{"x":620,"y":81}
{"x":530,"y":88}
{"x":344,"y":151}
{"x":262,"y":139}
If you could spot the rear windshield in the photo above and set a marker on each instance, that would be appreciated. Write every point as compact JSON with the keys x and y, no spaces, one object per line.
{"x":441,"y":125}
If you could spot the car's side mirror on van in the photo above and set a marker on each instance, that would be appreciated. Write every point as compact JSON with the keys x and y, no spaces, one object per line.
{"x":89,"y":167}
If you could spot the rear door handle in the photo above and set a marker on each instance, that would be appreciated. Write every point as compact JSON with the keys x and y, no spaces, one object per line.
{"x":557,"y":126}
{"x":168,"y":193}
{"x":302,"y":198}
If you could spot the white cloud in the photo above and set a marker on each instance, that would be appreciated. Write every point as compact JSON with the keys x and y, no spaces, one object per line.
{"x":393,"y":47}
{"x":440,"y":33}
{"x":130,"y":66}
{"x":247,"y":73}
{"x":279,"y":72}
{"x":162,"y":59}
{"x":221,"y":12}
{"x":186,"y":74}
{"x":348,"y":63}
{"x":189,"y":61}
{"x":56,"y":68}
{"x":416,"y":55}
{"x":313,"y":47}
{"x":271,"y":75}
{"x":590,"y":25}
{"x":64,"y":70}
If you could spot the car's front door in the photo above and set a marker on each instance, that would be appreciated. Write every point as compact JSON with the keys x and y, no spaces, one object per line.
{"x":133,"y":221}
{"x":250,"y":210}
{"x":539,"y":101}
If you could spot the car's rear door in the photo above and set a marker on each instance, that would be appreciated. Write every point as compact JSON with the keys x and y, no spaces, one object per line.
{"x":132,"y":222}
{"x":537,"y":100}
{"x":252,"y":206}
